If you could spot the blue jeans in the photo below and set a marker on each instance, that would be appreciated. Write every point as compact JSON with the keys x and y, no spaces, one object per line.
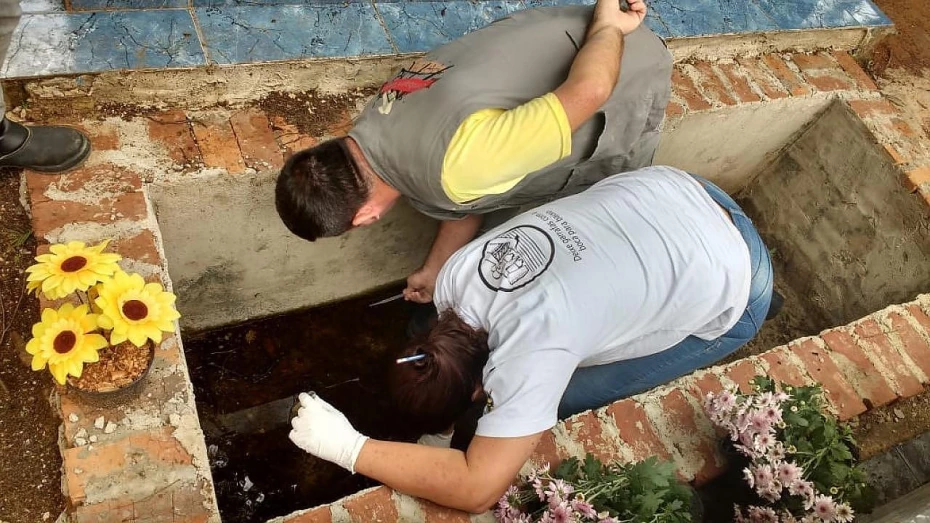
{"x":593,"y":387}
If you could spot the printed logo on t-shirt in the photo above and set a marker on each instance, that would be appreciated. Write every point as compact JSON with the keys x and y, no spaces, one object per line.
{"x":515,"y":258}
{"x":420,"y":75}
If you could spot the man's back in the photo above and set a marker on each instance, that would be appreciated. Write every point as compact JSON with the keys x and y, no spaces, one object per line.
{"x":404,"y":132}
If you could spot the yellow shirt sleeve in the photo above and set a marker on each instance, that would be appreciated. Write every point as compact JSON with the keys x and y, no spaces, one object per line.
{"x":493,"y":149}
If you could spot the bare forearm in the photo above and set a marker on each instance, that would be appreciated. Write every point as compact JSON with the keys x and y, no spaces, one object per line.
{"x":593,"y":75}
{"x":437,"y":474}
{"x":452,"y":236}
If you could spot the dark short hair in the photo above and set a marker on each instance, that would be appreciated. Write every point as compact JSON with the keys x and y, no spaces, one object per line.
{"x":433,"y":393}
{"x":319,"y":191}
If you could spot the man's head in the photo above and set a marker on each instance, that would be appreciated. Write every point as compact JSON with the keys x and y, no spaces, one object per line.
{"x":325,"y":191}
{"x":434,"y":392}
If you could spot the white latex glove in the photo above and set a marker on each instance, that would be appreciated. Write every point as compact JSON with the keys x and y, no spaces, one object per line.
{"x":323,"y":431}
{"x":442,"y":441}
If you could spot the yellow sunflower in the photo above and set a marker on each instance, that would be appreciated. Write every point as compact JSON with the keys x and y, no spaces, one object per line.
{"x":64,"y":340}
{"x":135,"y":310}
{"x":71,"y":267}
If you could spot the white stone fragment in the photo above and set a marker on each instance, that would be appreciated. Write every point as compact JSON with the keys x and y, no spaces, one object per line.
{"x":92,"y":439}
{"x":78,"y":471}
{"x":100,"y":422}
{"x":174,"y":419}
{"x":82,"y":434}
{"x":73,"y":418}
{"x":110,"y":428}
{"x":80,"y":442}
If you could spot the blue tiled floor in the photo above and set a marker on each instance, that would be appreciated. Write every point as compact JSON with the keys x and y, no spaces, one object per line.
{"x":420,"y":26}
{"x":46,"y":44}
{"x":280,"y":32}
{"x":100,"y":35}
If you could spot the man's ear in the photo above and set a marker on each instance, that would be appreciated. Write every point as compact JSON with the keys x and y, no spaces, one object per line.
{"x":366,"y":215}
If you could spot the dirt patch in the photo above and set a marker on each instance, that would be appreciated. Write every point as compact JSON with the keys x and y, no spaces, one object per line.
{"x":882,"y":428}
{"x":118,"y":367}
{"x":910,"y":47}
{"x":314,"y":113}
{"x":30,"y":463}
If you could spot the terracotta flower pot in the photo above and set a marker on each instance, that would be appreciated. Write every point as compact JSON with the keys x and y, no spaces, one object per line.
{"x":117,"y":377}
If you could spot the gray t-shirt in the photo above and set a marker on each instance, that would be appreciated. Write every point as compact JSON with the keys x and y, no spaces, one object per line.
{"x":628,"y":268}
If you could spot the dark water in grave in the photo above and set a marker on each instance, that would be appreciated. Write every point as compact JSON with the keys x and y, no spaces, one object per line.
{"x":245,"y":379}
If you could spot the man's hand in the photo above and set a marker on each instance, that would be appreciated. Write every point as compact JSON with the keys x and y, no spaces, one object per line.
{"x":325,"y":432}
{"x":607,"y":13}
{"x":420,"y":285}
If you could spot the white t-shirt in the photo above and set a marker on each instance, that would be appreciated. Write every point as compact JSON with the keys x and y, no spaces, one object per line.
{"x":628,"y":268}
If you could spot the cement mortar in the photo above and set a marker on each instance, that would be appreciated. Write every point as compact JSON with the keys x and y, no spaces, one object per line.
{"x":731,"y":146}
{"x":231,"y":259}
{"x":848,"y":236}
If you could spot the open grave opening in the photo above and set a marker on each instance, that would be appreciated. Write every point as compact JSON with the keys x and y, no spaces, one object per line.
{"x":846,"y":239}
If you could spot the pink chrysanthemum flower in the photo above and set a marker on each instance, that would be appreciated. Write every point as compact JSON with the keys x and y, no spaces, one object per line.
{"x":824,"y":507}
{"x":789,"y":473}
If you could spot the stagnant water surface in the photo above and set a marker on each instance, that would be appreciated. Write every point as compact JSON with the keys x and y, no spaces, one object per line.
{"x":246,"y":377}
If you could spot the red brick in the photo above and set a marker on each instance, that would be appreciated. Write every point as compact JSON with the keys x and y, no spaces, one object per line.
{"x":173,"y":131}
{"x":740,"y":83}
{"x":901,"y":127}
{"x":123,"y":460}
{"x":827,"y":83}
{"x":317,"y":515}
{"x":852,"y":68}
{"x":704,"y":385}
{"x":913,"y":343}
{"x":436,"y":514}
{"x":742,"y":372}
{"x":376,"y":506}
{"x":341,"y":126}
{"x":103,"y":135}
{"x":825,"y":372}
{"x":681,"y":416}
{"x":547,"y":451}
{"x":218,"y":144}
{"x":101,"y":181}
{"x":50,"y":215}
{"x":783,"y":369}
{"x":587,"y":430}
{"x":871,"y":385}
{"x":871,"y":333}
{"x":111,"y":511}
{"x":636,"y":430}
{"x":813,"y":62}
{"x":895,"y":155}
{"x":256,"y":140}
{"x":757,"y":72}
{"x":916,"y":177}
{"x":870,"y":108}
{"x":920,"y":315}
{"x":141,"y":247}
{"x":711,"y":83}
{"x":792,"y":82}
{"x":687,"y":91}
{"x":674,"y":110}
{"x":290,"y":138}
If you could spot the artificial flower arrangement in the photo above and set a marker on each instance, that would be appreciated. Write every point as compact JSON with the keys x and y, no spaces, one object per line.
{"x":800,"y":462}
{"x":105,"y":342}
{"x":645,"y":491}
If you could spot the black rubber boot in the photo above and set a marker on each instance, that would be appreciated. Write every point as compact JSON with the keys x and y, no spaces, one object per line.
{"x":777,"y":302}
{"x":48,"y":149}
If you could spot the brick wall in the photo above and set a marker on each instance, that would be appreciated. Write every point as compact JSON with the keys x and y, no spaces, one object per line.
{"x":151,"y":463}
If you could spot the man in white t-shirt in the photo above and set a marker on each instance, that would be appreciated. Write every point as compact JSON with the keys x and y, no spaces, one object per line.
{"x":644,"y":277}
